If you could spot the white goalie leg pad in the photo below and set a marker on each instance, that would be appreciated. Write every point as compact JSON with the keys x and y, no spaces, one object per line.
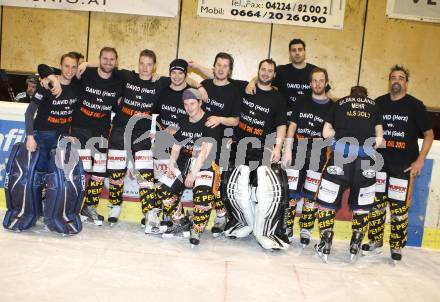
{"x":116,"y":159}
{"x":239,"y":195}
{"x":267,"y":212}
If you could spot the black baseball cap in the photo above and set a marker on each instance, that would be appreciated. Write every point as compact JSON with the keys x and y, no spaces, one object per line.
{"x":179,"y":64}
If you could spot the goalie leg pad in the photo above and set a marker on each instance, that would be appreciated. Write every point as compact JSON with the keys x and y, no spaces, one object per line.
{"x":241,"y":208}
{"x":272,"y":193}
{"x":23,"y":187}
{"x":65,"y":192}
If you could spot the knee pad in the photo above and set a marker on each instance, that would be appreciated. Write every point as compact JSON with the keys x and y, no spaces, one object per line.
{"x":160,"y":167}
{"x":313,"y":179}
{"x":23,"y":185}
{"x":204,"y":180}
{"x":99,"y":163}
{"x":116,"y":160}
{"x":143,"y":160}
{"x":85,"y":155}
{"x":328,"y":192}
{"x":381,"y":182}
{"x":172,"y":185}
{"x":65,"y":192}
{"x":398,"y":189}
{"x":271,"y":207}
{"x":293,"y":179}
{"x":242,"y":209}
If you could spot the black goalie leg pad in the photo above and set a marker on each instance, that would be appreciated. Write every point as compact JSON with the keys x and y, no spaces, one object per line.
{"x":23,"y":187}
{"x":271,"y":209}
{"x":65,"y":192}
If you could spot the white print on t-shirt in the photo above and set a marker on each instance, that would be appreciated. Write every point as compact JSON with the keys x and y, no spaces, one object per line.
{"x":298,"y":86}
{"x":395,"y":117}
{"x":64,"y":102}
{"x":102,"y":93}
{"x":252,"y":120}
{"x":97,"y":106}
{"x":138,"y":104}
{"x":213,"y":102}
{"x":256,"y":107}
{"x":140,"y":89}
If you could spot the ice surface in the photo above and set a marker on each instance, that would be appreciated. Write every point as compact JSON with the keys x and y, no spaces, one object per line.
{"x":123,"y":264}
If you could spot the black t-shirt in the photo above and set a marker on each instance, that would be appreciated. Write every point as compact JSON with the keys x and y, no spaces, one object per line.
{"x":195,"y":131}
{"x":403,"y":121}
{"x":354,"y":116}
{"x":170,"y":109}
{"x":55,"y":113}
{"x":139,"y":97}
{"x":293,"y":82}
{"x":309,"y":116}
{"x":223,"y":100}
{"x":260,"y":114}
{"x":98,"y":98}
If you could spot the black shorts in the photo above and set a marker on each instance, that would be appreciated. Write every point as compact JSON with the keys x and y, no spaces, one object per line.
{"x":305,"y":181}
{"x":116,"y":140}
{"x":336,"y":179}
{"x":94,"y":161}
{"x":396,"y":184}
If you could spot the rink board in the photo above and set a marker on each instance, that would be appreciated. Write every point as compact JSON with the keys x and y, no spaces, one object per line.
{"x":424,"y":217}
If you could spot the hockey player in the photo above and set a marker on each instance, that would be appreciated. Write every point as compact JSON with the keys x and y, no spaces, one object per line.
{"x":223,"y":106}
{"x":100,"y":92}
{"x":404,"y":118}
{"x":306,"y":123}
{"x":54,"y":115}
{"x":262,"y":115}
{"x":140,"y":97}
{"x":193,"y":164}
{"x":356,"y":125}
{"x":293,"y":79}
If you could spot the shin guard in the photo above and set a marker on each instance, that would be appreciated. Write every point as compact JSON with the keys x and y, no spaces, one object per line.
{"x":399,"y":225}
{"x":308,"y":215}
{"x":94,"y":190}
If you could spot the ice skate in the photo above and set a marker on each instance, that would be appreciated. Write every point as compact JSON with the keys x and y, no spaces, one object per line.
{"x":115,"y":212}
{"x":355,"y":244}
{"x":194,"y":238}
{"x":152,"y":222}
{"x":372,"y":248}
{"x":396,"y":255}
{"x":219,"y":226}
{"x":304,"y":236}
{"x":89,"y":214}
{"x":323,"y":248}
{"x":289,"y":234}
{"x":178,"y":229}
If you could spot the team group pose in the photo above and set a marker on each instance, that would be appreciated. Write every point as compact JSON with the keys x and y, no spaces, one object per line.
{"x":251,"y":150}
